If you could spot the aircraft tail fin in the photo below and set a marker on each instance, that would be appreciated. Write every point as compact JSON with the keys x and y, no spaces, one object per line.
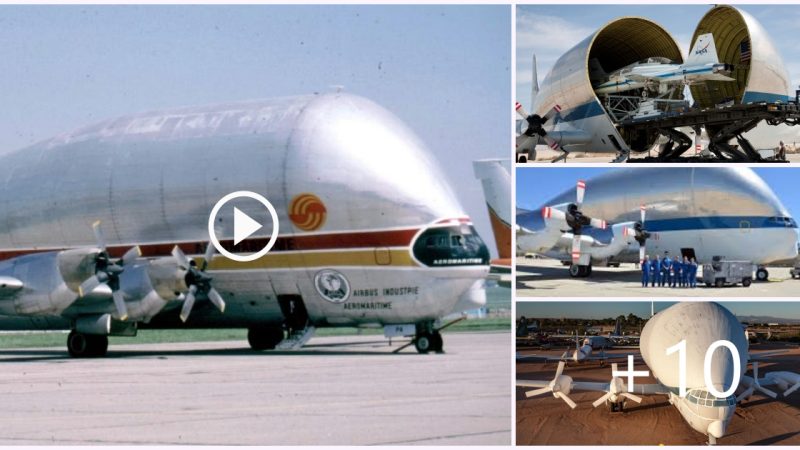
{"x":596,"y":71}
{"x":534,"y":82}
{"x":496,"y":182}
{"x":618,"y":328}
{"x":704,"y":51}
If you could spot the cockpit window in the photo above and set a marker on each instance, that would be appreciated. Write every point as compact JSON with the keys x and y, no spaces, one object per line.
{"x":451,"y":246}
{"x":787,"y":222}
{"x":704,"y":398}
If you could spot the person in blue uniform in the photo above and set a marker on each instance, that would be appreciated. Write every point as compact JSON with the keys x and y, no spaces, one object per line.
{"x":693,"y":273}
{"x":655,"y":271}
{"x":687,"y":268}
{"x":645,"y":270}
{"x":666,"y":268}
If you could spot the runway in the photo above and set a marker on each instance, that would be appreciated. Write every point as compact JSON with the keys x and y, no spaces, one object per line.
{"x":336,"y":391}
{"x":548,"y":278}
{"x":545,"y":420}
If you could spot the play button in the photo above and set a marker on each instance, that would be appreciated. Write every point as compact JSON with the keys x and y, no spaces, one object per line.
{"x":243,"y":226}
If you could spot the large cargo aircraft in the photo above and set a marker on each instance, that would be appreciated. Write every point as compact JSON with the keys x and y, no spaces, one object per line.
{"x":570,"y":113}
{"x":97,"y":225}
{"x":694,"y":212}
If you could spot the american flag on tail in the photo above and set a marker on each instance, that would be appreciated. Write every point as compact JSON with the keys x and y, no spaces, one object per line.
{"x":744,"y":51}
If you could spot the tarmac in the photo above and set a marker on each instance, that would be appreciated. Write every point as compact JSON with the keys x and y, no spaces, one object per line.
{"x":540,"y":277}
{"x":545,"y":420}
{"x":336,"y":390}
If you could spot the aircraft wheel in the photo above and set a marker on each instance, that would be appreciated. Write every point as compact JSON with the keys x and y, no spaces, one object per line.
{"x":264,"y":338}
{"x":424,"y":342}
{"x":719,"y":283}
{"x":522,"y":159}
{"x":575,"y":271}
{"x":762,"y":274}
{"x":746,"y":282}
{"x":437,"y":344}
{"x":80,"y":345}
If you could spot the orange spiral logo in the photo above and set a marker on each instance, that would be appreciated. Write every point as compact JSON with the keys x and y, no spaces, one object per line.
{"x":307,"y":212}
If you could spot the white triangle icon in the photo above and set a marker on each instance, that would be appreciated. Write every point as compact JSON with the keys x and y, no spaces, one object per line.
{"x":243,"y":226}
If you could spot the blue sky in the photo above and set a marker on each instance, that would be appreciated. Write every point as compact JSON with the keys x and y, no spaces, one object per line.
{"x":602,"y":310}
{"x":537,"y":185}
{"x":444,"y":70}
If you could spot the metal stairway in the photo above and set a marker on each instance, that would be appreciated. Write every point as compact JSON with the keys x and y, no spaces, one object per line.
{"x":297,"y":339}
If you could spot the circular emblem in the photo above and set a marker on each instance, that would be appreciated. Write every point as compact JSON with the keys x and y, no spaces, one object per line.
{"x":307,"y":212}
{"x":332,"y":286}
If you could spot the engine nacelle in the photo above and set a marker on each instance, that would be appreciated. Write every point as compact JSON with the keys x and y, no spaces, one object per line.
{"x":39,"y":288}
{"x":142,"y":298}
{"x":76,"y":265}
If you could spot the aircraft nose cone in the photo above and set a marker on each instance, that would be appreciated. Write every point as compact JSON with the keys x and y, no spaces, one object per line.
{"x":717,"y":428}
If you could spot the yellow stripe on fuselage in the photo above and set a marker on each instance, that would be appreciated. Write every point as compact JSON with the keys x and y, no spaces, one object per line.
{"x":289,"y":260}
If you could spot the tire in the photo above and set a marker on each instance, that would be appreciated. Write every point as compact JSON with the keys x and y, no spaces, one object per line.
{"x":264,"y":338}
{"x":522,"y":159}
{"x":437,"y":342}
{"x":762,"y":274}
{"x":424,"y":343}
{"x":575,"y":271}
{"x":719,"y":283}
{"x":80,"y":345}
{"x":746,"y":282}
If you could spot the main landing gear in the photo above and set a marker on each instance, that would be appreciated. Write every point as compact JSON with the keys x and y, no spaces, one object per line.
{"x":577,"y":271}
{"x":81,"y":345}
{"x":762,"y":274}
{"x":264,"y":337}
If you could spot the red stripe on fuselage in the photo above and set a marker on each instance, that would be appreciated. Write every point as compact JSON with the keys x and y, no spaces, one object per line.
{"x":334,"y":241}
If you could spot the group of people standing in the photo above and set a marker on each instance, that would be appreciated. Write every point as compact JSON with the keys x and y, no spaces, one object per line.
{"x":669,"y":272}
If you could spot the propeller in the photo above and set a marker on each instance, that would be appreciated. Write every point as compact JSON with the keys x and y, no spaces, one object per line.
{"x":197,"y":280}
{"x":536,"y":125}
{"x":575,"y":219}
{"x":754,"y":385}
{"x":560,"y":387}
{"x":616,"y":389}
{"x":108,"y":271}
{"x":639,"y":233}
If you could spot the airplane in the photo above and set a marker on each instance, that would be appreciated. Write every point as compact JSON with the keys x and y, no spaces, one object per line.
{"x":661,"y":339}
{"x":568,"y":114}
{"x":105,"y":229}
{"x":582,"y":353}
{"x":654,"y":73}
{"x":496,"y":185}
{"x":657,"y":210}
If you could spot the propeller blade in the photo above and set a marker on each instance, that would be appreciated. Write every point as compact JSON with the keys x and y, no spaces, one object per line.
{"x":635,"y":398}
{"x":566,"y":399}
{"x":580,"y":191}
{"x":642,"y":209}
{"x":552,"y":213}
{"x":601,"y":400}
{"x":188,"y":304}
{"x":99,"y":237}
{"x":641,"y":253}
{"x":210,"y":249}
{"x":552,"y":143}
{"x":88,"y":285}
{"x":119,"y":302}
{"x":521,"y":110}
{"x":576,"y":248}
{"x":552,"y":113}
{"x":216,"y":299}
{"x":560,"y":368}
{"x":789,"y":391}
{"x":598,"y":223}
{"x":183,"y":261}
{"x":130,"y":256}
{"x":745,"y":395}
{"x":539,"y":391}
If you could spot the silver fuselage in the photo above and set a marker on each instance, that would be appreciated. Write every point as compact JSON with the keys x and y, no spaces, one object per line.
{"x":152,"y":179}
{"x":728,"y":212}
